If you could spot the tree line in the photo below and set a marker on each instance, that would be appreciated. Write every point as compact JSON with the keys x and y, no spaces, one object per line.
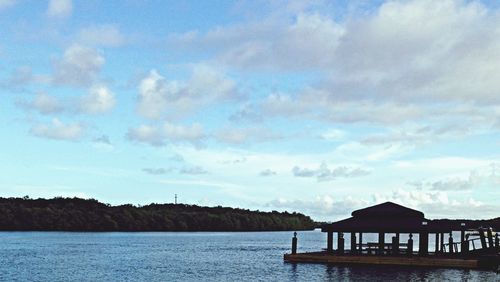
{"x":76,"y":214}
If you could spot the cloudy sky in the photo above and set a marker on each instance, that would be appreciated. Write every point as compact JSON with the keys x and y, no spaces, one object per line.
{"x":319,"y":107}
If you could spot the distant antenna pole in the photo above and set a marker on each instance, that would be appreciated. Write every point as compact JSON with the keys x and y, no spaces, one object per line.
{"x":176,"y":199}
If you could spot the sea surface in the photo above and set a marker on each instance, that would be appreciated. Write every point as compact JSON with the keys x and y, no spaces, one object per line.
{"x":199,"y":256}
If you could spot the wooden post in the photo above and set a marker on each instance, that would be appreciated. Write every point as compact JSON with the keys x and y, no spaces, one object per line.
{"x":294,"y":243}
{"x":394,"y":245}
{"x":463,"y":247}
{"x":410,"y":245}
{"x":423,"y":243}
{"x":340,"y":243}
{"x":381,"y":243}
{"x":490,"y":237}
{"x":329,"y":242}
{"x":441,"y":242}
{"x":483,"y":239}
{"x":450,"y":242}
{"x":436,"y":250}
{"x":397,"y":240}
{"x":353,"y":242}
{"x":361,"y":243}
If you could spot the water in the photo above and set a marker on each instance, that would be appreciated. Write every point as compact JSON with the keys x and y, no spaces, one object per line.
{"x":168,"y":256}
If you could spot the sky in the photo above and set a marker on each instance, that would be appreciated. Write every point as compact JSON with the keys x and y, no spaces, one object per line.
{"x":318,"y":107}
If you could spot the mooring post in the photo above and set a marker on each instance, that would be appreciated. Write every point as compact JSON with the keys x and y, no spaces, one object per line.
{"x":410,"y":245}
{"x":294,"y":243}
{"x":450,"y":242}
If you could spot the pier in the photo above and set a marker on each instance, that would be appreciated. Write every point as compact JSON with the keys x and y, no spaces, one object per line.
{"x":474,"y":248}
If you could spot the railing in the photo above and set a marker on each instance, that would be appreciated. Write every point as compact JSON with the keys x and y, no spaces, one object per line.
{"x":467,"y":243}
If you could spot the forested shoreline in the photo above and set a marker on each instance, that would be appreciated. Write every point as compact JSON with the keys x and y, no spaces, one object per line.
{"x":76,"y":214}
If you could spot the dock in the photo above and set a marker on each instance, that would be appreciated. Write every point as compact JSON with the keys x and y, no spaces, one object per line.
{"x":477,"y":248}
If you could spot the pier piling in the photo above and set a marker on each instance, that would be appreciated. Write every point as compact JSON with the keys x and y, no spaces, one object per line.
{"x":294,"y":243}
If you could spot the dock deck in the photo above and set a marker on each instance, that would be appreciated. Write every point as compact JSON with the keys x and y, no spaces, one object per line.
{"x":430,"y":261}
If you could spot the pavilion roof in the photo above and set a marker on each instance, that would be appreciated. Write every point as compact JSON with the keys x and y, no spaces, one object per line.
{"x":387,"y":217}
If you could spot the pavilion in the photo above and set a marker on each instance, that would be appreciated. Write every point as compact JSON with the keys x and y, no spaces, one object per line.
{"x":392,"y":219}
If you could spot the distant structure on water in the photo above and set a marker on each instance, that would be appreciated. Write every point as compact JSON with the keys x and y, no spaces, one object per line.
{"x":476,"y":247}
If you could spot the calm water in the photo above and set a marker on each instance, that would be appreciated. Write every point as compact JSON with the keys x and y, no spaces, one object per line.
{"x":165,"y":256}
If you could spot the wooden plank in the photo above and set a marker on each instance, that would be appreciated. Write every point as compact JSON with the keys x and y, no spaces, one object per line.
{"x":383,"y":260}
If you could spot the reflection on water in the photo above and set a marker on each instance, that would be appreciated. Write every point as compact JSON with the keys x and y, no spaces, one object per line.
{"x":164,"y":256}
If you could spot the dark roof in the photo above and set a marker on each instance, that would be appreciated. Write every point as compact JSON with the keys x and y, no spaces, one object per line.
{"x":386,"y":217}
{"x":387,"y":209}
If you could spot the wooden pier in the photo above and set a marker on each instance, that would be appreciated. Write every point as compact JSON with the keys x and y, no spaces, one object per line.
{"x":476,"y":248}
{"x":323,"y":257}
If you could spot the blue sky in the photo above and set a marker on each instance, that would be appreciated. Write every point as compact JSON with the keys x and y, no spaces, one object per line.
{"x":320,"y":107}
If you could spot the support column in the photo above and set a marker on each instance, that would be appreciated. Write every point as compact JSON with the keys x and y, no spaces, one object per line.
{"x":441,"y":243}
{"x":381,"y":243}
{"x":450,"y":242}
{"x":436,"y":250}
{"x":423,"y":243}
{"x":463,"y":245}
{"x":397,"y":244}
{"x":490,"y":237}
{"x":483,"y":239}
{"x":329,"y":242}
{"x":340,"y":243}
{"x":360,"y":243}
{"x":353,"y":242}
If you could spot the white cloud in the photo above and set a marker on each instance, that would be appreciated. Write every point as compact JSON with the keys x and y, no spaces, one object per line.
{"x":146,"y":134}
{"x":99,"y":100}
{"x":325,"y":207}
{"x":160,"y":98}
{"x":60,"y":8}
{"x":323,"y":173}
{"x":45,"y":104}
{"x":101,"y":35}
{"x":400,"y":63}
{"x":79,"y":66}
{"x":271,"y":44}
{"x":58,"y":130}
{"x":434,"y":205}
{"x":453,"y":184}
{"x":237,"y":136}
{"x":168,"y":133}
{"x":484,"y":178}
{"x":193,"y":133}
